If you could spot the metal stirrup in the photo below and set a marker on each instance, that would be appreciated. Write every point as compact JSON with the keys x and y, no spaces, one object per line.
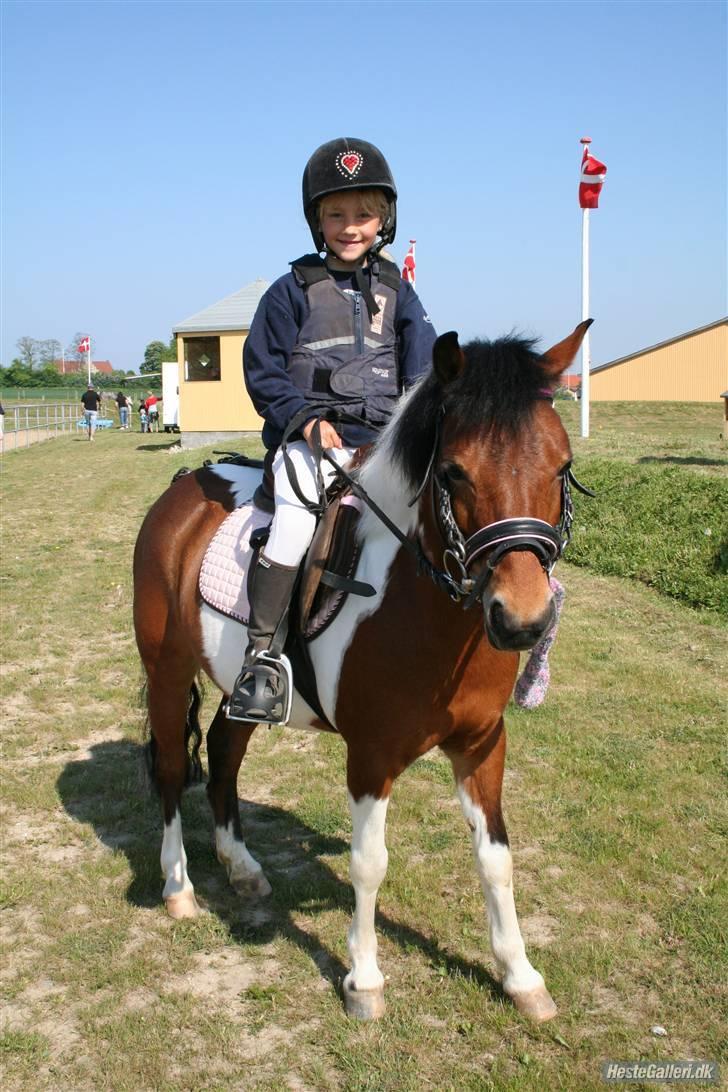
{"x":267,"y":689}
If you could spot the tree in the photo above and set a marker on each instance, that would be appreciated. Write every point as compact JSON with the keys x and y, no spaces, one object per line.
{"x":48,"y":351}
{"x":19,"y":375}
{"x":28,"y":347}
{"x":156,"y":353}
{"x":47,"y":376}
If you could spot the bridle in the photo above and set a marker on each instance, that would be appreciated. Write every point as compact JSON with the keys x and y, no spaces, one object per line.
{"x":547,"y":541}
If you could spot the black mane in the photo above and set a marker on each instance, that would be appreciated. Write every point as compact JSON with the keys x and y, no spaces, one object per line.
{"x":496,"y":390}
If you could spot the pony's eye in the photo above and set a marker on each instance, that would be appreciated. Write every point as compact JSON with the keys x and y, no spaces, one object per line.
{"x":454,"y":473}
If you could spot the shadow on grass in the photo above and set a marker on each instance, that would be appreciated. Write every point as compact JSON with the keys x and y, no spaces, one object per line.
{"x":679,"y":460}
{"x":110,"y":793}
{"x":159,"y":447}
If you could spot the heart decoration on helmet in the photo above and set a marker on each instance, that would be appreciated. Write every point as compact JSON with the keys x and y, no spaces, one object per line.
{"x":349,"y":163}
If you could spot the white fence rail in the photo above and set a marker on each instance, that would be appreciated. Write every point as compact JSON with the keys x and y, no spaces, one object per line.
{"x":27,"y":424}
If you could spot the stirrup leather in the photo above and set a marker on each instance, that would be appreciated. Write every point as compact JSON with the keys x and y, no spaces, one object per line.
{"x":263,"y":691}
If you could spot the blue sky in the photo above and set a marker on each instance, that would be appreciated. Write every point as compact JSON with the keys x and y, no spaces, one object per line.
{"x":153,"y":154}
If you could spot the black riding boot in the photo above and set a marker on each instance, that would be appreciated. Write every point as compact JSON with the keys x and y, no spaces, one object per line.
{"x":262,"y":691}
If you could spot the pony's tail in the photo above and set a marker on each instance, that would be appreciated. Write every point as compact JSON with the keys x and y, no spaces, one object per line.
{"x":193,"y":740}
{"x":193,"y":737}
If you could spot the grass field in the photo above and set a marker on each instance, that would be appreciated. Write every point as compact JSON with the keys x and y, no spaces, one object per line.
{"x":614,"y":799}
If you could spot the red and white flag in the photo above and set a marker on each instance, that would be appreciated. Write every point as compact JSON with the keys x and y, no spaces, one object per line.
{"x":593,"y":174}
{"x":408,"y":266}
{"x":84,"y":345}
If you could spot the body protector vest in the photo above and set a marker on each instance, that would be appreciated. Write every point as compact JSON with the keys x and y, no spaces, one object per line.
{"x":343,"y":358}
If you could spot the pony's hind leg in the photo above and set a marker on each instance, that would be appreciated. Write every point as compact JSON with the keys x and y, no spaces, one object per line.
{"x":227,"y":742}
{"x":479,"y":788}
{"x":171,"y":706}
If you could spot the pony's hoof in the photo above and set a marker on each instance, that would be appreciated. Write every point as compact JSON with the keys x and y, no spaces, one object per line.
{"x":184,"y":905}
{"x":537,"y":1004}
{"x":251,"y":886}
{"x":364,"y":1004}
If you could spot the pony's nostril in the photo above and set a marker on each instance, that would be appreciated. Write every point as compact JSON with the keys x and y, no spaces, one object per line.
{"x":495,"y":614}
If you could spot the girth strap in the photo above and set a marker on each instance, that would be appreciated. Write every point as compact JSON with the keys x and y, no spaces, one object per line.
{"x":345,"y":584}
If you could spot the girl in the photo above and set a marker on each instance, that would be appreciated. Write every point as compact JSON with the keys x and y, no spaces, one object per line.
{"x":342,"y":330}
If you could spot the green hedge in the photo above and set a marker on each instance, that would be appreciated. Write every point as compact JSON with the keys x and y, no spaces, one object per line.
{"x":663,"y":525}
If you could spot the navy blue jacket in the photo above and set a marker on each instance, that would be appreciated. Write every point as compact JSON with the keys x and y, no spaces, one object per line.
{"x":273,"y":334}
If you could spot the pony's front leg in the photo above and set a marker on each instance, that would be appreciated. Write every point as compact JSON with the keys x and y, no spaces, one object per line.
{"x":479,"y":788}
{"x":364,"y":984}
{"x":178,"y":893}
{"x":227,"y":742}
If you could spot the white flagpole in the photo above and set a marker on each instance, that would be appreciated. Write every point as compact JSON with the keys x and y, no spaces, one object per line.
{"x":88,"y":360}
{"x":585,"y":353}
{"x":414,"y":259}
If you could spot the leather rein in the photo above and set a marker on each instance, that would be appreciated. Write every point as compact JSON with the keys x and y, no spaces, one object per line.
{"x":543,"y":539}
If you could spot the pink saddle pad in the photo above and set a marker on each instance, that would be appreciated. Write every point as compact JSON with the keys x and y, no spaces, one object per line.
{"x":224,"y":572}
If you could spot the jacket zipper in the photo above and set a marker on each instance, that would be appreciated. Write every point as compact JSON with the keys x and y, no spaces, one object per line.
{"x":358,"y":326}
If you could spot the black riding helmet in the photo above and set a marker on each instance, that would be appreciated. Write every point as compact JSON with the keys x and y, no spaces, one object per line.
{"x":347,"y":164}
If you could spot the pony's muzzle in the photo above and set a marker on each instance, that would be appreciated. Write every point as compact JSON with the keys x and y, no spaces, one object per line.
{"x":509,"y":632}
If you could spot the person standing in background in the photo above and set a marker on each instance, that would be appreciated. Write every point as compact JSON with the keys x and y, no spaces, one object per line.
{"x":123,"y":406}
{"x":152,"y":412}
{"x":91,"y":401}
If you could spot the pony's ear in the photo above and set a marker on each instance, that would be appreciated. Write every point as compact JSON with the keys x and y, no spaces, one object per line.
{"x":447,"y":358}
{"x":559,"y":356}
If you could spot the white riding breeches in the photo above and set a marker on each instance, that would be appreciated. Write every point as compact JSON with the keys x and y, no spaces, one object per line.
{"x":293,"y":526}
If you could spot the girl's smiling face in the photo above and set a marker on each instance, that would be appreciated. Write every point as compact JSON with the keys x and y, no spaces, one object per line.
{"x":349,"y":228}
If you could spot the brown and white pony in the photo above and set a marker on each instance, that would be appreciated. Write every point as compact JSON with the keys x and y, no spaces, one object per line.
{"x":405,"y":670}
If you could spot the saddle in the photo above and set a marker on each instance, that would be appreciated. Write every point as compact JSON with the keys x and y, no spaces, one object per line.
{"x":327,"y":573}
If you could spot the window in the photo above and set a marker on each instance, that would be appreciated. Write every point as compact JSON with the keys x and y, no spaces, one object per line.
{"x":202,"y":359}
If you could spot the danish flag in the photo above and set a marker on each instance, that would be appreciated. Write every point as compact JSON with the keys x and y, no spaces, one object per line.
{"x":408,"y":266}
{"x":593,"y":174}
{"x":84,"y":345}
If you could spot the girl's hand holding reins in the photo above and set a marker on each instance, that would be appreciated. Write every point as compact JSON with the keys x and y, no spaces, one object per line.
{"x":329,"y":435}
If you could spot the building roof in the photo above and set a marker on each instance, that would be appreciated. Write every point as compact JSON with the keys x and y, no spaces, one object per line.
{"x":235,"y":312}
{"x":70,"y":366}
{"x":659,"y":345}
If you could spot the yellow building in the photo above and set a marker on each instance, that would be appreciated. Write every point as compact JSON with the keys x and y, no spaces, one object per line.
{"x":213,"y":402}
{"x":690,"y":368}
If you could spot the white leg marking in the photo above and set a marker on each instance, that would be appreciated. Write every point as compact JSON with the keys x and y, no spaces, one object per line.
{"x":174,"y":860}
{"x":368,"y":868}
{"x":495,"y":869}
{"x":244,"y":872}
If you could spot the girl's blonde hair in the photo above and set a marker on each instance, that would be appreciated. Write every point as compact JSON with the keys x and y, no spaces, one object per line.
{"x":373,"y":201}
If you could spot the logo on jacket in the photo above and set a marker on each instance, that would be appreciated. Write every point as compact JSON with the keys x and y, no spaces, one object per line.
{"x":378,"y":319}
{"x":349,"y":164}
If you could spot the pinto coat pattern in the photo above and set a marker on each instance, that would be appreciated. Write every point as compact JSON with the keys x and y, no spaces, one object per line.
{"x":398,"y":673}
